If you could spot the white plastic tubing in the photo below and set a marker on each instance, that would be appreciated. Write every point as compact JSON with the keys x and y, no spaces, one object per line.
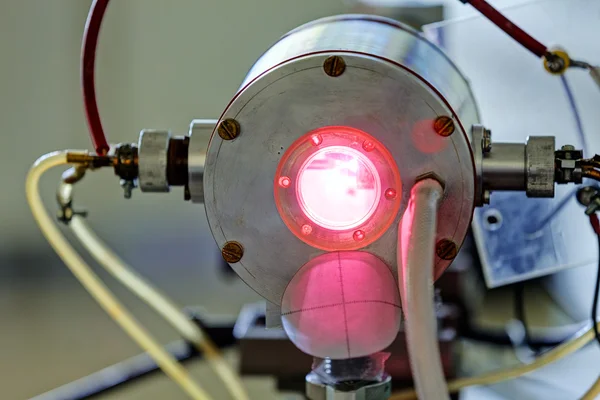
{"x":161,"y":303}
{"x":95,"y":286}
{"x":416,"y":243}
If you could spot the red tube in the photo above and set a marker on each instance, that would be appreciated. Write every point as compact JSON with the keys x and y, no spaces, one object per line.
{"x":507,"y":26}
{"x":595,"y":223}
{"x":88,"y":59}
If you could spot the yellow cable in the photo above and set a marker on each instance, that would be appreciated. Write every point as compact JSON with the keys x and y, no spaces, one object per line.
{"x":553,"y":355}
{"x":95,"y":286}
{"x":160,"y":303}
{"x":593,"y":393}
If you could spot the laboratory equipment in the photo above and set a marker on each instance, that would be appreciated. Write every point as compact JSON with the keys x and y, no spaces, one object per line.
{"x":339,"y":183}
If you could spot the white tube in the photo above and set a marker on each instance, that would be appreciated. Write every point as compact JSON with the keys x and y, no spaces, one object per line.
{"x":416,"y":247}
{"x":159,"y":302}
{"x":95,"y":286}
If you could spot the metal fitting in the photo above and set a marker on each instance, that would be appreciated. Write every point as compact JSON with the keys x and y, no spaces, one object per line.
{"x":126,"y":167}
{"x":487,"y":141}
{"x":316,"y":390}
{"x":568,"y":169}
{"x":512,"y":166}
{"x":589,"y":197}
{"x":200,"y":133}
{"x":153,"y":148}
{"x":540,"y":166}
{"x":557,"y":61}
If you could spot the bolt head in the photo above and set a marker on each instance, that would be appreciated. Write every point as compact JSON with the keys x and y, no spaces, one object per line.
{"x":232,"y":252}
{"x":567,"y":147}
{"x":334,"y":66}
{"x":446,"y":249}
{"x":444,"y":126}
{"x":229,"y":129}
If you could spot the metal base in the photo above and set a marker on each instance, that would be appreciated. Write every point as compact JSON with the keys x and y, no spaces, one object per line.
{"x":316,"y":390}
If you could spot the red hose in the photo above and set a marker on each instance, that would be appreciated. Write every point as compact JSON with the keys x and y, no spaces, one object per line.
{"x":88,"y":59}
{"x":595,"y":223}
{"x":507,"y":26}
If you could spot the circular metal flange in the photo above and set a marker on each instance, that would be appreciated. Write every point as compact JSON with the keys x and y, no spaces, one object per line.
{"x":379,"y":97}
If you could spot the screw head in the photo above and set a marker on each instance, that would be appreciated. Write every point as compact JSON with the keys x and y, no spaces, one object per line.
{"x":446,"y":249}
{"x":232,"y":252}
{"x":229,"y":129}
{"x":444,"y":126}
{"x":334,"y":66}
{"x":568,"y":147}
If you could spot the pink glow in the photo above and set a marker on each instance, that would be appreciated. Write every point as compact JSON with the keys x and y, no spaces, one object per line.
{"x":338,"y":188}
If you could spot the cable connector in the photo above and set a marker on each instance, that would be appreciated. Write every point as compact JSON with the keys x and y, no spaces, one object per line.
{"x":568,"y":165}
{"x":589,"y":197}
{"x":126,"y":167}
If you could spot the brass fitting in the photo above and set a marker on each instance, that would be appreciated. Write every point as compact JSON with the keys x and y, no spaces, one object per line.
{"x":556,"y":62}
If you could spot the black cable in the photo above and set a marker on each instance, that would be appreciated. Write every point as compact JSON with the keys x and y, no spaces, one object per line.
{"x":595,"y":302}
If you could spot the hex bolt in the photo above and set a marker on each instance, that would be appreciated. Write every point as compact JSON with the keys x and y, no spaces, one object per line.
{"x":444,"y":126}
{"x":229,"y":129}
{"x":232,"y":252}
{"x":334,"y":66}
{"x":446,"y":249}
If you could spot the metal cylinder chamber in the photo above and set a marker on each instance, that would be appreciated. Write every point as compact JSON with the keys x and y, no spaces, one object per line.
{"x":365,"y":94}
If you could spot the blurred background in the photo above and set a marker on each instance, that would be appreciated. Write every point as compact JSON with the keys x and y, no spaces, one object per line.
{"x":160,"y":64}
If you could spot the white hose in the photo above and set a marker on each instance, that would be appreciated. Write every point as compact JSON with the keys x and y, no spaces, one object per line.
{"x":159,"y":302}
{"x":94,"y":285}
{"x":416,"y":244}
